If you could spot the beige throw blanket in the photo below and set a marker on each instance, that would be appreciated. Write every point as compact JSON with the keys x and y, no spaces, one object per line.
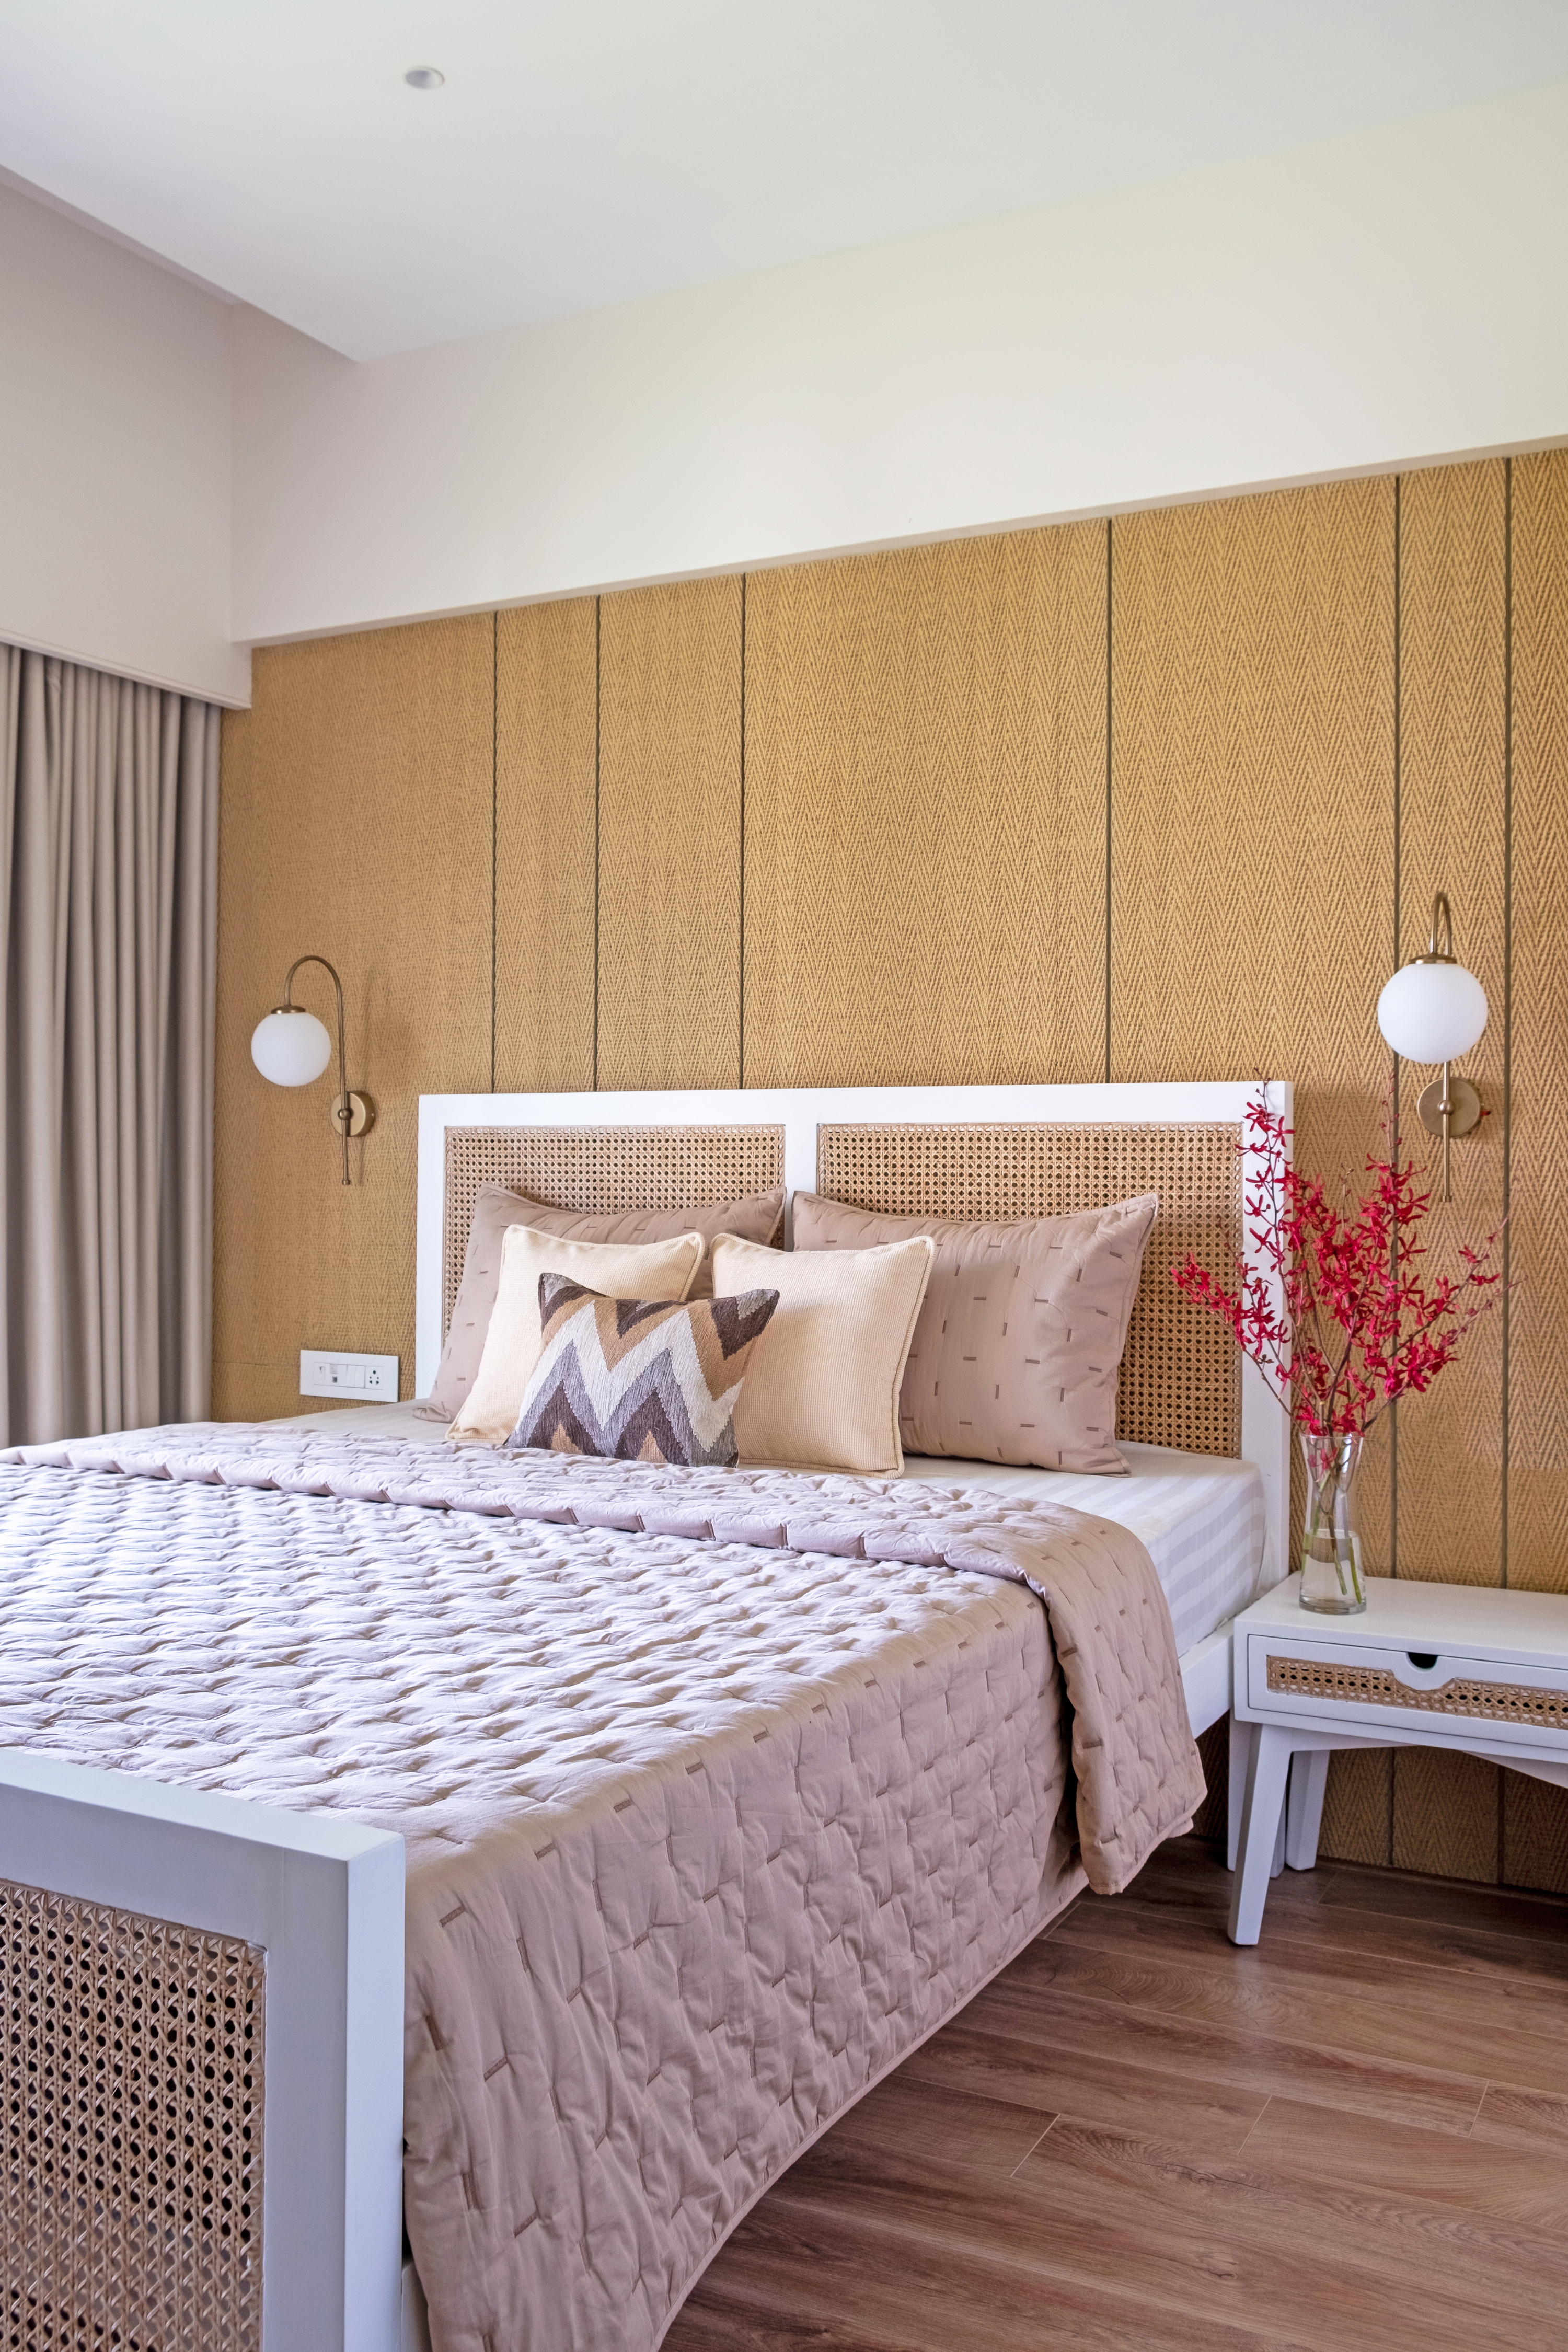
{"x":721,"y":1790}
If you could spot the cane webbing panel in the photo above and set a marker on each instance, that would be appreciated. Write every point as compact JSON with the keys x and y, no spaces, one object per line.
{"x":1517,"y":1703}
{"x":130,"y":2196}
{"x":601,"y":1167}
{"x":1181,"y":1378}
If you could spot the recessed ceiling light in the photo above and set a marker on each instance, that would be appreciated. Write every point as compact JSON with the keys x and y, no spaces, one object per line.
{"x":424,"y":78}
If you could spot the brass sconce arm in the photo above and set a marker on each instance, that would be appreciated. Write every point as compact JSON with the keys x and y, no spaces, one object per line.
{"x":286,"y":1051}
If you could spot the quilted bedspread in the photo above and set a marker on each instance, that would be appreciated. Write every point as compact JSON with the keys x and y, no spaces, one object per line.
{"x":721,"y":1789}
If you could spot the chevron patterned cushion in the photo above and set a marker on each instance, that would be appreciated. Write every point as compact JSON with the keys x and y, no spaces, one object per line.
{"x":639,"y":1379}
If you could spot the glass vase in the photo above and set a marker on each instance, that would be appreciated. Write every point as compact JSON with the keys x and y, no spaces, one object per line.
{"x":1333,"y":1579}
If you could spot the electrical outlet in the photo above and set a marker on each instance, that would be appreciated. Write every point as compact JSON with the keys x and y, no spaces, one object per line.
{"x":334,"y":1372}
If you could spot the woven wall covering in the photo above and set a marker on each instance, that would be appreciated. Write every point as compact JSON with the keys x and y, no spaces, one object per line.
{"x":1180,"y":1381}
{"x":670,"y":836}
{"x":130,"y":2192}
{"x":355,"y":822}
{"x":546,"y":762}
{"x":600,"y":1168}
{"x":925,"y":814}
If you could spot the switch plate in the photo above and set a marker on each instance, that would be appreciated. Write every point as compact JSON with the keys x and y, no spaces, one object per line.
{"x":337,"y":1373}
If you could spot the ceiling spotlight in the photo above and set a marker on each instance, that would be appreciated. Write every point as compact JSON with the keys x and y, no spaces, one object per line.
{"x":424,"y":78}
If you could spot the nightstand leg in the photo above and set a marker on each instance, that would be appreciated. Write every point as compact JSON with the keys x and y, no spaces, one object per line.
{"x":1242,"y":1737}
{"x":1261,"y":1807}
{"x":1304,"y":1807}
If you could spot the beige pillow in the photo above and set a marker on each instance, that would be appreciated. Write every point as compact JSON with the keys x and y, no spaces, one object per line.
{"x":514,"y":1343}
{"x":757,"y":1215}
{"x":1019,"y":1342}
{"x":822,"y":1391}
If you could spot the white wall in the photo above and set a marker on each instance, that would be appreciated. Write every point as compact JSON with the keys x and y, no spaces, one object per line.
{"x":116,"y":427}
{"x":1382,"y":299}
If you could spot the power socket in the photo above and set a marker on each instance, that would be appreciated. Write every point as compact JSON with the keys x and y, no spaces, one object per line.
{"x":335,"y":1372}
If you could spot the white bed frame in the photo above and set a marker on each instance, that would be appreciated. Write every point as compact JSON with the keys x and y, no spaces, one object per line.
{"x":326,"y":1899}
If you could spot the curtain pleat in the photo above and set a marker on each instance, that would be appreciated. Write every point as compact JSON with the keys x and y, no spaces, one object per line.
{"x":109,"y":902}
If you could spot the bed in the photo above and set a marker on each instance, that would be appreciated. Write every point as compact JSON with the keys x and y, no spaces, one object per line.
{"x":892,"y":1639}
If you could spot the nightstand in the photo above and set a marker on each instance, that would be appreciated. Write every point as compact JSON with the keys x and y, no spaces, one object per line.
{"x":1428,"y":1666}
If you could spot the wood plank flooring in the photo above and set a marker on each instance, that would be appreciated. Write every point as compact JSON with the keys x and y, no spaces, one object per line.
{"x":1140,"y":2140}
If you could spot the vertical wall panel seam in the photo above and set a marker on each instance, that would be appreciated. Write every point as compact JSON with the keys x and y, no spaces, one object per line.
{"x":1109,"y":757}
{"x":598,"y":603}
{"x":495,"y":689}
{"x":1507,"y":968}
{"x":740,"y":1032}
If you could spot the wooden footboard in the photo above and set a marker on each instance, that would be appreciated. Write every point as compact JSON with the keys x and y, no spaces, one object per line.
{"x":202,"y":2060}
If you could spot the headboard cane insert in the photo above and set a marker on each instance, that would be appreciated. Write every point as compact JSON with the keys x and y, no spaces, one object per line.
{"x":1181,"y":1372}
{"x":602,"y":1167}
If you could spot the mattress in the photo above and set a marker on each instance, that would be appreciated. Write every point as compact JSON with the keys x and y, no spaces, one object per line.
{"x":1199,"y":1516}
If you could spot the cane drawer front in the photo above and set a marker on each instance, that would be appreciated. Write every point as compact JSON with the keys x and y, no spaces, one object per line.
{"x":1372,"y":1686}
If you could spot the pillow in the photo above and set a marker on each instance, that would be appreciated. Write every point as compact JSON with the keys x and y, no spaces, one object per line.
{"x":636,"y":1379}
{"x":1016,"y":1354}
{"x":758,"y":1215}
{"x":513,"y":1342}
{"x":823,"y":1389}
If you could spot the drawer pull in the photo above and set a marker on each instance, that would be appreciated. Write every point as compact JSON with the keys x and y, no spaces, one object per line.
{"x":1515,"y":1703}
{"x":1425,"y":1659}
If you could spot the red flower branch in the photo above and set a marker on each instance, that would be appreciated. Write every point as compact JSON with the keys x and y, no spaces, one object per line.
{"x":1334,"y":1314}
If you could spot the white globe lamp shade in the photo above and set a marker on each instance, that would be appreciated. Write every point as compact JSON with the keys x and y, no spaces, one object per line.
{"x":1432,"y":1012}
{"x":290,"y":1047}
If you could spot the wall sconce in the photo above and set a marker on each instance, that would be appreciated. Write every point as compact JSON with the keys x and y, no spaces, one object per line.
{"x":1432,"y":1010}
{"x":291,"y":1046}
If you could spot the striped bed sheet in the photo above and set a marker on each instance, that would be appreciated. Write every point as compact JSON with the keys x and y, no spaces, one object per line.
{"x":1200,"y":1515}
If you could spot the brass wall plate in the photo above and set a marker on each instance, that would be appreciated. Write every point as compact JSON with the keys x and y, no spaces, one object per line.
{"x":355,"y":1113}
{"x":1465,"y":1101}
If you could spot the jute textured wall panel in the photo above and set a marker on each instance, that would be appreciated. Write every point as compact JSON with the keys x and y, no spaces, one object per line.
{"x":355,"y":825}
{"x":1538,"y":1366}
{"x":670,"y":836}
{"x":1453,"y":818}
{"x":1535,"y":1823}
{"x":546,"y":749}
{"x":1252,"y":822}
{"x":1453,"y":836}
{"x":925,"y":814}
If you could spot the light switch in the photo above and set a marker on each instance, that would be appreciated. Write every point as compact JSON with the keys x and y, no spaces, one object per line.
{"x":337,"y":1372}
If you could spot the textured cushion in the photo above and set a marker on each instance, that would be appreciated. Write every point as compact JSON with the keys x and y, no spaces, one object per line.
{"x":1017,"y":1351}
{"x":513,"y":1341}
{"x":757,"y":1215}
{"x":636,"y":1379}
{"x":823,"y":1389}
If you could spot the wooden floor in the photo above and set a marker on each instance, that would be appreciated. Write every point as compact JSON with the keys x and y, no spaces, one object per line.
{"x":1139,"y":2136}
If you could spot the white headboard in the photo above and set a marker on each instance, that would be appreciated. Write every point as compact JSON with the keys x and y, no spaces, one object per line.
{"x":799,"y":1111}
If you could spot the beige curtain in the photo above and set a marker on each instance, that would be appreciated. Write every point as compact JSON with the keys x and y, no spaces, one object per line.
{"x":109,"y":902}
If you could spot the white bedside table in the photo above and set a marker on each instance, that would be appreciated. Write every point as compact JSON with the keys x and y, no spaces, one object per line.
{"x":1428,"y":1666}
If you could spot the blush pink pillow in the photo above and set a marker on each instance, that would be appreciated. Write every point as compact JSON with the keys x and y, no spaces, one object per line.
{"x":1019,"y":1340}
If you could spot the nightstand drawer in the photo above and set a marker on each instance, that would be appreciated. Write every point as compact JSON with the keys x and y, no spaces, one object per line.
{"x":1352,"y":1686}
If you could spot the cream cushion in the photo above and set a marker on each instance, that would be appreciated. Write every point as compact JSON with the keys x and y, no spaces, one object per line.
{"x":822,"y":1389}
{"x":514,"y":1342}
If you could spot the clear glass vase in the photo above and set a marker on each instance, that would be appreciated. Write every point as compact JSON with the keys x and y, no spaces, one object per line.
{"x":1332,"y":1578}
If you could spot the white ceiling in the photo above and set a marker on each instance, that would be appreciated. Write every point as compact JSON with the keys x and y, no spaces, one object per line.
{"x":589,"y":151}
